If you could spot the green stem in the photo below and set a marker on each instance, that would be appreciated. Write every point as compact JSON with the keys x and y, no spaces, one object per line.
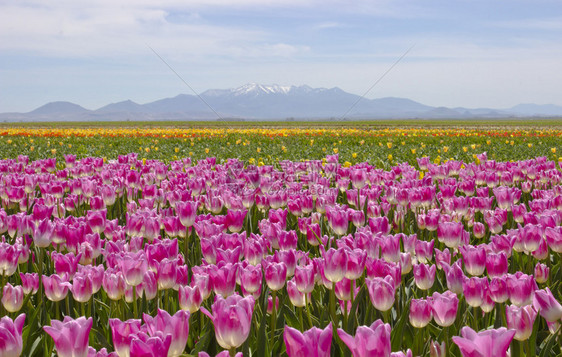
{"x":135,"y":312}
{"x":333,"y":306}
{"x":308,"y":312}
{"x":40,"y":272}
{"x":67,"y":304}
{"x":2,"y":312}
{"x":273,"y":319}
{"x":447,"y":344}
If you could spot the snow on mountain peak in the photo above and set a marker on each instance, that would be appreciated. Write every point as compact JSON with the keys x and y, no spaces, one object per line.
{"x":255,"y":88}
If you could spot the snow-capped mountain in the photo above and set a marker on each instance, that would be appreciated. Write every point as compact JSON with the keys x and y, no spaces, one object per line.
{"x":258,"y":101}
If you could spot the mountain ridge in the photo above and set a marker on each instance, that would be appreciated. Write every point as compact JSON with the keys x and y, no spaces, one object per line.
{"x":254,"y":101}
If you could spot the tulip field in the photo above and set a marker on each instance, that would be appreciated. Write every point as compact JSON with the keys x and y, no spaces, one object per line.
{"x":280,"y":240}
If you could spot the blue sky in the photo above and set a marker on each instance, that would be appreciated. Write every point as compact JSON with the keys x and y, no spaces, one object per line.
{"x":467,"y":53}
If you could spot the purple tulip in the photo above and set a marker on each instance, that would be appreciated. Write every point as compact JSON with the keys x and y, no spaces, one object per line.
{"x":176,"y":326}
{"x":12,"y":297}
{"x":420,"y":313}
{"x":187,"y":211}
{"x":541,"y":273}
{"x":8,"y":259}
{"x":190,"y":298}
{"x":143,"y":345}
{"x":474,"y":259}
{"x":232,"y":318}
{"x":520,"y":319}
{"x":545,"y":303}
{"x":335,"y":264}
{"x":29,"y":282}
{"x":424,"y":276}
{"x":133,"y":267}
{"x":224,"y":279}
{"x":70,"y":336}
{"x":56,"y":288}
{"x":369,"y":341}
{"x":444,"y":307}
{"x":311,"y":343}
{"x":82,"y":288}
{"x":304,"y":278}
{"x":381,"y":292}
{"x":275,"y":275}
{"x":488,"y":343}
{"x":11,"y":343}
{"x":295,"y":296}
{"x":122,"y":333}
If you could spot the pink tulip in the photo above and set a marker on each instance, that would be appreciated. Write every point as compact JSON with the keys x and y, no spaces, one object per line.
{"x":420,"y":313}
{"x":8,"y":259}
{"x":235,"y":219}
{"x":479,"y":230}
{"x":297,"y":298}
{"x":113,"y":284}
{"x":149,"y":286}
{"x":12,"y":297}
{"x":424,"y":276}
{"x":474,"y":259}
{"x":545,"y":303}
{"x":335,"y":264}
{"x":496,"y":264}
{"x":250,"y":278}
{"x":269,"y":309}
{"x":311,"y":343}
{"x":442,"y":257}
{"x":101,"y":353}
{"x":408,"y":353}
{"x":355,"y":264}
{"x":96,"y":220}
{"x":304,"y":278}
{"x":489,"y":343}
{"x":56,"y":288}
{"x":190,"y":298}
{"x":232,"y":318}
{"x":554,"y":238}
{"x":176,"y":326}
{"x":390,"y":248}
{"x":521,"y":288}
{"x":143,"y":345}
{"x":437,"y":350}
{"x":444,"y":307}
{"x":122,"y":333}
{"x":220,"y":354}
{"x":203,"y":282}
{"x":133,"y":267}
{"x":66,"y":263}
{"x":223,"y":279}
{"x":29,"y":282}
{"x":521,"y":319}
{"x":275,"y":275}
{"x":70,"y":336}
{"x":82,"y":288}
{"x":381,"y":292}
{"x":474,"y":290}
{"x":338,"y":220}
{"x":167,"y":273}
{"x":11,"y":343}
{"x":369,"y":341}
{"x":42,"y":233}
{"x":187,"y":212}
{"x":450,"y":233}
{"x":541,"y":273}
{"x":498,"y":289}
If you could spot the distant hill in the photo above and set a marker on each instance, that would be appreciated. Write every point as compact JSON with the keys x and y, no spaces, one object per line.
{"x":268,"y":102}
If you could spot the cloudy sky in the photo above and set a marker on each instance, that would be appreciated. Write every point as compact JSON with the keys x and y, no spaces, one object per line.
{"x":473,"y":53}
